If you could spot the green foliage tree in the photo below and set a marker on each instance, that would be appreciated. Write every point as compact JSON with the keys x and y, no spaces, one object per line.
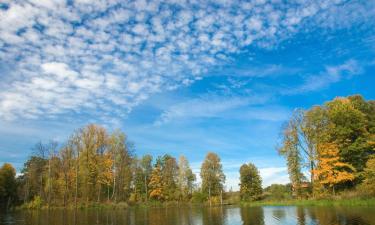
{"x":291,"y":151}
{"x":368,"y":185}
{"x":8,"y":185}
{"x":250,"y":182}
{"x":347,"y":122}
{"x":212,"y":175}
{"x":278,"y":191}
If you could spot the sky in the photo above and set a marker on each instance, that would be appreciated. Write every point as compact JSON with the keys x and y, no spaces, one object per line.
{"x":179,"y":77}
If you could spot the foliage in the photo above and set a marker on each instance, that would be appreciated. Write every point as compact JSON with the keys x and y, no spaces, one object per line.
{"x":212,"y":175}
{"x":368,"y":185}
{"x":156,"y":184}
{"x":186,"y":178}
{"x":198,"y":197}
{"x":278,"y":192}
{"x":36,"y":203}
{"x":290,"y":150}
{"x":346,"y":122}
{"x":331,"y":171}
{"x":250,"y":182}
{"x":8,"y":185}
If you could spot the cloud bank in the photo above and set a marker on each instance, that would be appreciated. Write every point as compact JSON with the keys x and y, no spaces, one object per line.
{"x":102,"y":58}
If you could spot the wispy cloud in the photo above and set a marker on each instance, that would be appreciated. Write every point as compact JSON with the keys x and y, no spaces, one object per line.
{"x":211,"y":106}
{"x":105,"y":57}
{"x":331,"y":75}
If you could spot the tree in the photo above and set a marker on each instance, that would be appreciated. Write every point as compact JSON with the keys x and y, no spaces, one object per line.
{"x":212,"y":175}
{"x":331,"y":171}
{"x":169,"y":171}
{"x":368,"y":184}
{"x":8,"y":185}
{"x":251,"y":182}
{"x":156,"y":184}
{"x":33,"y":172}
{"x":353,"y":120}
{"x":67,"y":171}
{"x":146,"y":164}
{"x":278,"y":191}
{"x":291,"y":152}
{"x":121,"y":151}
{"x":186,"y":177}
{"x":93,"y":139}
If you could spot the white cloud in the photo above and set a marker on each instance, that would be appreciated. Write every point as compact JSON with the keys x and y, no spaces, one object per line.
{"x":105,"y":57}
{"x":207,"y":107}
{"x":331,"y":74}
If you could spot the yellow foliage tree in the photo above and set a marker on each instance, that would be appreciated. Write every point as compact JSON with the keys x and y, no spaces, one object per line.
{"x":156,"y":184}
{"x":331,"y":170}
{"x":106,"y":175}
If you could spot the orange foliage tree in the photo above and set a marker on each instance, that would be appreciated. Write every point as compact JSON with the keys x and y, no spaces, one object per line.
{"x":156,"y":184}
{"x":331,"y":170}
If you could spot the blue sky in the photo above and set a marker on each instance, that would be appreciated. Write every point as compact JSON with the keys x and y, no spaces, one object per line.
{"x":179,"y":77}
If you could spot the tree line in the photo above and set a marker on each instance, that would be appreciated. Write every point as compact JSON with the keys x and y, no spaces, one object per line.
{"x":330,"y":148}
{"x":97,"y":166}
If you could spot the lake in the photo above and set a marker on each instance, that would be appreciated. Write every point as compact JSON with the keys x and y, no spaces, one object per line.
{"x":267,"y":215}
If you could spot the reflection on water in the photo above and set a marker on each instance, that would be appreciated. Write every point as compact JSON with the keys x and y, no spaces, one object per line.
{"x":199,"y":216}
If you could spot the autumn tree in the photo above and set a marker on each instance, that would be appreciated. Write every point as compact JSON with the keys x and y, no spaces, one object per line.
{"x":33,"y":171}
{"x":121,"y":151}
{"x":353,"y":123}
{"x":142,"y":173}
{"x":212,"y":175}
{"x":67,"y":171}
{"x":331,"y":171}
{"x":186,"y":178}
{"x":8,"y":185}
{"x":368,"y":185}
{"x":94,"y":142}
{"x":250,"y":182}
{"x":169,"y":170}
{"x":156,"y":184}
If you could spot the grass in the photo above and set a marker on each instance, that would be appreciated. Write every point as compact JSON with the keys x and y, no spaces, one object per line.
{"x":314,"y":202}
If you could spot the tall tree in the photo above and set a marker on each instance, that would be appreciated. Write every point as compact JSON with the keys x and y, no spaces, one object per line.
{"x":146,"y":165}
{"x":67,"y":171}
{"x":352,"y":120}
{"x":212,"y":175}
{"x":291,"y":152}
{"x":186,"y":177}
{"x":94,"y":142}
{"x":250,"y":182}
{"x":121,"y":151}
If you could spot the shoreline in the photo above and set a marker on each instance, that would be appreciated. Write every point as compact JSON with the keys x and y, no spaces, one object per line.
{"x":122,"y":205}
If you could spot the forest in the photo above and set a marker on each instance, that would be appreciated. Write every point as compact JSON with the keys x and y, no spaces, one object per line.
{"x":329,"y":151}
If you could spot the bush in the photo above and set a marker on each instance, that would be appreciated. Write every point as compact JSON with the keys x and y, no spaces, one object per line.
{"x":36,"y":203}
{"x":198,"y":197}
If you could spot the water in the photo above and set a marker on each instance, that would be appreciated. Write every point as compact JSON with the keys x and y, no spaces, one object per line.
{"x":285,"y":215}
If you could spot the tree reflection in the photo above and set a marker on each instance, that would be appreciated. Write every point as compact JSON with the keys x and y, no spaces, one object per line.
{"x":252,"y":216}
{"x":213,"y":215}
{"x":301,"y":215}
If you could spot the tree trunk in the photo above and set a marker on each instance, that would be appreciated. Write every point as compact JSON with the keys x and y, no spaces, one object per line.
{"x":49,"y":181}
{"x":76,"y":188}
{"x":146,"y":188}
{"x":100,"y":190}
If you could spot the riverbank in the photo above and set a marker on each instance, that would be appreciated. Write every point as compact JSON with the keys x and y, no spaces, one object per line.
{"x":170,"y":204}
{"x":314,"y":202}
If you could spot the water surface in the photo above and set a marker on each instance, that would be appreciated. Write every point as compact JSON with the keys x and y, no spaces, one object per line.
{"x":268,"y":215}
